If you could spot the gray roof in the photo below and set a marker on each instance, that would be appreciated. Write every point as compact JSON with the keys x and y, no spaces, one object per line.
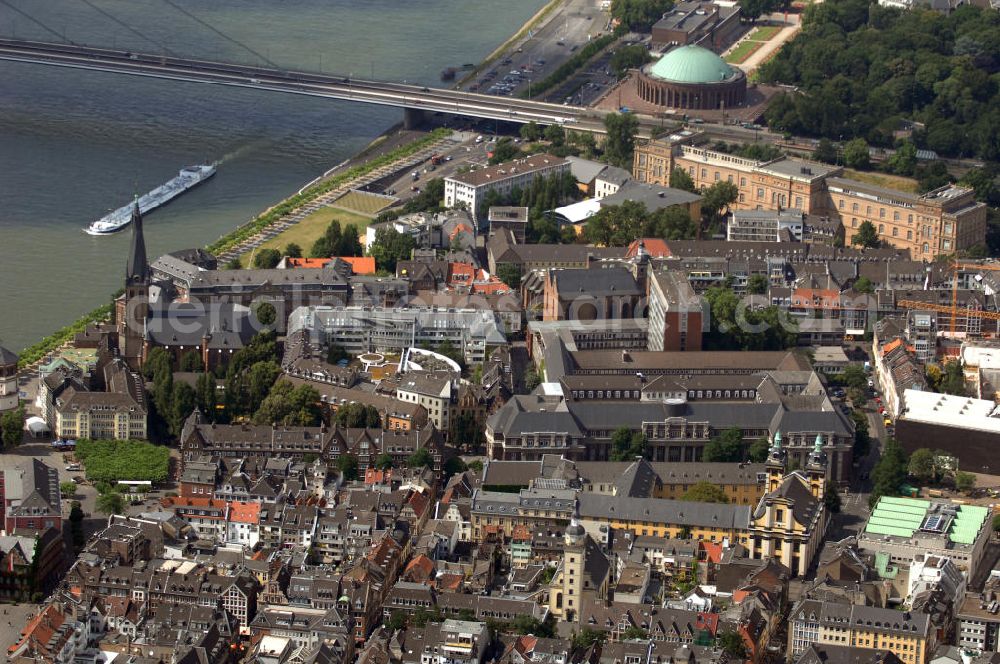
{"x":585,"y":170}
{"x":886,"y":621}
{"x":654,"y":197}
{"x":596,"y":282}
{"x":676,"y":512}
{"x":7,"y":357}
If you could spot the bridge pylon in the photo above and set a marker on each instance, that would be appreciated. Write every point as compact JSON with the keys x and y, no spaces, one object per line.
{"x":412,"y":118}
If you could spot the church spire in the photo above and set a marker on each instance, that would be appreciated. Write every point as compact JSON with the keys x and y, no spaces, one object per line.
{"x":137,"y":268}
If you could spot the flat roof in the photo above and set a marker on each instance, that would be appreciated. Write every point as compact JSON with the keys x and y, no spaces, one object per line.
{"x":508,"y":169}
{"x":950,"y":410}
{"x":903,"y":517}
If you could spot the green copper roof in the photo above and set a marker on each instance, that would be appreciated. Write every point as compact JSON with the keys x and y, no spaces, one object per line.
{"x":691,"y":64}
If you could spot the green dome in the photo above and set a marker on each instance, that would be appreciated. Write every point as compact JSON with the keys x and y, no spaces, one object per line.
{"x":691,"y":64}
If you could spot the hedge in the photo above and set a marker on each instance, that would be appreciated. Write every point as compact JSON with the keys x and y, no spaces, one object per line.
{"x":272,"y":215}
{"x":113,"y":460}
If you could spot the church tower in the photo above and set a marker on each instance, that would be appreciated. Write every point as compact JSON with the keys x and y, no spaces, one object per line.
{"x":816,"y":468}
{"x":132,"y":324}
{"x":775,"y":465}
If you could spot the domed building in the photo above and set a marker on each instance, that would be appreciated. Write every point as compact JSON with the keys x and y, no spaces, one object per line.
{"x":692,"y":77}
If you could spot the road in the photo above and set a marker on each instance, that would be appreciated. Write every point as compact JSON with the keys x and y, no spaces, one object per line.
{"x":410,"y":97}
{"x":541,"y":53}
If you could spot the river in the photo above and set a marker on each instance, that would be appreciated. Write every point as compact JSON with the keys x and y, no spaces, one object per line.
{"x":75,"y":144}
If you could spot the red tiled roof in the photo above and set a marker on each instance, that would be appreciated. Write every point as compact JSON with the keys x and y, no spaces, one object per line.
{"x":655,"y":247}
{"x":364,"y":265}
{"x":419,"y":502}
{"x":709,"y":621}
{"x":420,"y":569}
{"x":713,"y":551}
{"x":244,"y":512}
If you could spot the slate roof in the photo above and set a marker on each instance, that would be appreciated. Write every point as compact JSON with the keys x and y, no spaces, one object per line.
{"x":595,"y":282}
{"x":675,"y":512}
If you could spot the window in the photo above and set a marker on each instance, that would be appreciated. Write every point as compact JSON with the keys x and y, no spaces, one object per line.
{"x":716,"y":178}
{"x":760,"y":193}
{"x":798,"y":202}
{"x":895,"y":231}
{"x":895,"y":216}
{"x":881,"y":228}
{"x":909,"y":235}
{"x":840,"y":204}
{"x":881,"y":213}
{"x":854,"y":207}
{"x":729,"y":178}
{"x":743,"y":182}
{"x":854,"y":222}
{"x":704,"y":173}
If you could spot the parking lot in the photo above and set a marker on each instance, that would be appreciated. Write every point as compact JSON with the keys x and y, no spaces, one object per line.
{"x":541,"y":53}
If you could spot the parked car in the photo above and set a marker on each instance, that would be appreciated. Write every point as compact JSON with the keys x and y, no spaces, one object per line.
{"x":74,"y":466}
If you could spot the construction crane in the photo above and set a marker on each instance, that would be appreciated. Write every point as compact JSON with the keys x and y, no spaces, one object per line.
{"x":953,"y":311}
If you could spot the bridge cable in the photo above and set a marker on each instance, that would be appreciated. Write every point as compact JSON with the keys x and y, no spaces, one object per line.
{"x":129,"y":27}
{"x":220,"y":33}
{"x":34,"y":20}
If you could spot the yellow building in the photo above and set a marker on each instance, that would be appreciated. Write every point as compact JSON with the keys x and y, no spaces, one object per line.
{"x":583,"y":575}
{"x":789,"y":522}
{"x":937,"y":223}
{"x":907,"y":635}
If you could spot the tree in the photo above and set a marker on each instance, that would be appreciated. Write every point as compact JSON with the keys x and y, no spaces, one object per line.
{"x":183,"y":403}
{"x":555,"y":134}
{"x":266,"y":259}
{"x":389,"y":247}
{"x":864,"y":285}
{"x":889,"y":473}
{"x":289,"y":404}
{"x":629,"y":57}
{"x":831,"y":499}
{"x":921,"y":465}
{"x":706,"y":492}
{"x":421,"y":457}
{"x":466,"y":432}
{"x":12,"y":427}
{"x":233,"y":264}
{"x":867,"y":236}
{"x":350,"y":241}
{"x":327,"y":244}
{"x":635,"y":633}
{"x":510,"y":274}
{"x":626,"y":444}
{"x":532,"y":379}
{"x":757,"y":284}
{"x":619,"y":145}
{"x":639,"y":15}
{"x":110,"y":502}
{"x":336,"y":354}
{"x":588,"y":637}
{"x":206,"y":395}
{"x":904,"y":160}
{"x":67,"y":489}
{"x":856,"y":154}
{"x":728,"y":446}
{"x":965,"y":482}
{"x":759,"y":450}
{"x":505,"y":150}
{"x":383,"y":461}
{"x":733,"y":645}
{"x":454,"y":466}
{"x":531,"y":132}
{"x":191,"y":362}
{"x":76,"y":523}
{"x":266,"y":313}
{"x":716,"y":200}
{"x":347,"y":464}
{"x":825,"y":151}
{"x":355,"y":415}
{"x":996,"y":523}
{"x":953,"y":380}
{"x":854,"y":376}
{"x":680,"y":179}
{"x":397,"y":621}
{"x":293,"y":250}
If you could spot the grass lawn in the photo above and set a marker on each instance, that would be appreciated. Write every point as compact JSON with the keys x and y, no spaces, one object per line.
{"x":764,"y":33}
{"x":309,"y":229}
{"x":742,"y":52}
{"x":883,"y":180}
{"x":363,"y":203}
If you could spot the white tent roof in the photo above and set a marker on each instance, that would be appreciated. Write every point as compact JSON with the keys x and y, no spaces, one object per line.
{"x":577,"y":212}
{"x":36,"y":424}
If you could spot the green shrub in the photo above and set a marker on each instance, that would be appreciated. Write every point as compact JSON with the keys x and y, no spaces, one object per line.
{"x":113,"y":460}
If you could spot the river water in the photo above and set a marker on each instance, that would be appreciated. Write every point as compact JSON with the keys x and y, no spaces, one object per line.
{"x":75,"y":144}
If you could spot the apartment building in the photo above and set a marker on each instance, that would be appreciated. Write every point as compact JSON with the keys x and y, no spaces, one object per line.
{"x":765,"y":226}
{"x":120,"y":412}
{"x":940,"y":222}
{"x":907,"y":635}
{"x":470,"y":188}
